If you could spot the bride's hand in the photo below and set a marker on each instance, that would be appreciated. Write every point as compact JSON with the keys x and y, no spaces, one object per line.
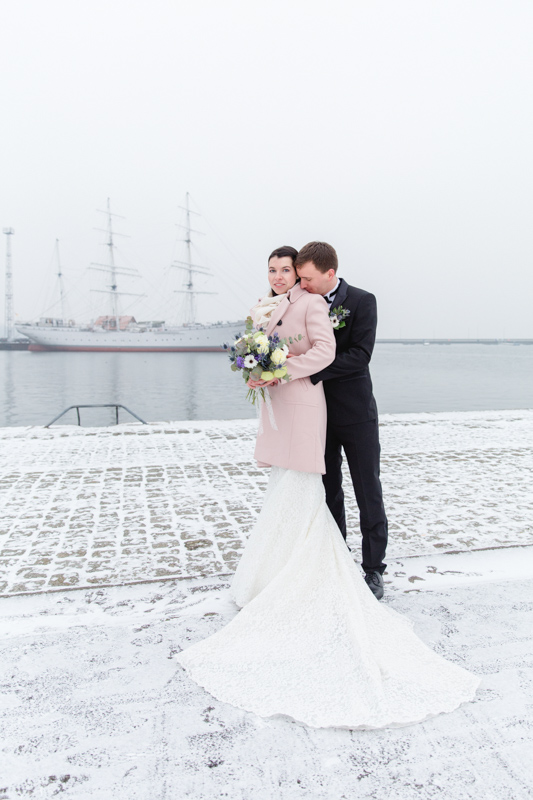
{"x":261,"y":384}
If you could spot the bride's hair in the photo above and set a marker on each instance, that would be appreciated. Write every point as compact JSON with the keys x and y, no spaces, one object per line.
{"x":281,"y":252}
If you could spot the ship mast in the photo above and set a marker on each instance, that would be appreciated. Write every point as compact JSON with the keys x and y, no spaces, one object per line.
{"x":8,"y":319}
{"x":189,"y":291}
{"x":191,"y":301}
{"x":111,"y":268}
{"x":60,"y":279}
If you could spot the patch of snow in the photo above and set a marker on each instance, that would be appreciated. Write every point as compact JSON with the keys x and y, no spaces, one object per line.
{"x":94,"y":705}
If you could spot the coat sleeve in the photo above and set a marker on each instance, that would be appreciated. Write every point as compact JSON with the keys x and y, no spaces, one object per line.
{"x":320,"y":334}
{"x":362,"y":337}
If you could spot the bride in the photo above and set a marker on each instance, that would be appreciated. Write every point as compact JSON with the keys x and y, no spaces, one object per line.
{"x":311,"y":641}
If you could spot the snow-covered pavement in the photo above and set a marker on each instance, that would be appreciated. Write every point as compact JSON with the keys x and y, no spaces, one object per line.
{"x":92,"y":703}
{"x":100,"y":506}
{"x":94,"y":706}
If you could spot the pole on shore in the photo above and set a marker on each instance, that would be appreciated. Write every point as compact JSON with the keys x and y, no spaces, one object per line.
{"x":8,"y":319}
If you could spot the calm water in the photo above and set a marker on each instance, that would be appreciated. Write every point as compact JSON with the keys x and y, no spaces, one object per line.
{"x":173,"y":386}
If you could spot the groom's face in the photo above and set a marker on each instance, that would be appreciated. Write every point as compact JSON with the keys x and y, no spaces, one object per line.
{"x":314,"y":281}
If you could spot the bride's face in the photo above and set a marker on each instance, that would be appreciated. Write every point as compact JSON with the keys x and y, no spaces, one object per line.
{"x":281,"y":274}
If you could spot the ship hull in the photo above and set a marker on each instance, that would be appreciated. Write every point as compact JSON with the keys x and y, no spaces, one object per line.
{"x":193,"y":339}
{"x":40,"y":348}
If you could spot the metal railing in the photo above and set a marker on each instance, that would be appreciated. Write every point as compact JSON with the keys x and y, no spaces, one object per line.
{"x":116,"y":406}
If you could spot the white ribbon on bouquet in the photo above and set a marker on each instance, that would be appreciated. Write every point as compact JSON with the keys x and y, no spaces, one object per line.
{"x":267,"y":400}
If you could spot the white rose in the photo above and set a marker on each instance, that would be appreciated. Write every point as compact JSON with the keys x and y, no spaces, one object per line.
{"x":262,"y":344}
{"x":278,"y":356}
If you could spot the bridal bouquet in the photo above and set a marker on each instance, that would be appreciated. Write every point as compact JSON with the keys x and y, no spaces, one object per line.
{"x":259,"y":357}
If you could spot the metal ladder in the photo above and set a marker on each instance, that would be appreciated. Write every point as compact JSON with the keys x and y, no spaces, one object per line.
{"x":116,"y":406}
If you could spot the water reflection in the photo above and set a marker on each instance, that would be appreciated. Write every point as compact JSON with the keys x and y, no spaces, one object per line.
{"x":9,"y":389}
{"x":191,"y":387}
{"x":175,"y":386}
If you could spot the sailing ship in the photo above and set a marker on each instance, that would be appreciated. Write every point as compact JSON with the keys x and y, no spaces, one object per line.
{"x":118,"y":333}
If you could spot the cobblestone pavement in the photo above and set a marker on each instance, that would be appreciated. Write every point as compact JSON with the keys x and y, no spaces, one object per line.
{"x":92,"y":507}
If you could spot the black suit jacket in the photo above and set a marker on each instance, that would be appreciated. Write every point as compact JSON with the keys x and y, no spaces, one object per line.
{"x":347,"y":383}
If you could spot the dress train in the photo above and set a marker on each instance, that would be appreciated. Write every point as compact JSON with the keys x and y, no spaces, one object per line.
{"x":311,"y":641}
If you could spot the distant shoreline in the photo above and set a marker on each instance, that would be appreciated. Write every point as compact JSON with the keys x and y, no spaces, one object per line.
{"x":454,"y":341}
{"x":20,"y":345}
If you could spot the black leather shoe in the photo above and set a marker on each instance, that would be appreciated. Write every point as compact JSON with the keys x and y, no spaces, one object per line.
{"x":374,"y":581}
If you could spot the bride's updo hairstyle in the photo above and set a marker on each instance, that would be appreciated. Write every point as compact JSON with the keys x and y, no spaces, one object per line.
{"x":282,"y":252}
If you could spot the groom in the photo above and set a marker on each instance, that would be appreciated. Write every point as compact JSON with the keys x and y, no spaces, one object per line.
{"x":352,"y":411}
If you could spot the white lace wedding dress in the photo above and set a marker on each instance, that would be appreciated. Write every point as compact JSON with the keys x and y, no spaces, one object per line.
{"x":311,"y":642}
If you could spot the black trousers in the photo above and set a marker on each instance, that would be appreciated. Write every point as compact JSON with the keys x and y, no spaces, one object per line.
{"x":360,"y":442}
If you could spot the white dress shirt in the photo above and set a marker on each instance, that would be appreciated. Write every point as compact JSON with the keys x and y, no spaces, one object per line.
{"x":330,"y":295}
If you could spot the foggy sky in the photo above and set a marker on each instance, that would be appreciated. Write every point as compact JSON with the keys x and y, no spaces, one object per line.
{"x":400,"y":131}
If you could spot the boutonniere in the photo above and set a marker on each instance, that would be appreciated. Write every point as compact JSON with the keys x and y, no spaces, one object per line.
{"x":338,"y":317}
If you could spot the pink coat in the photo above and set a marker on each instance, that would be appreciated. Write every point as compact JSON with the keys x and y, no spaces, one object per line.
{"x":299,"y":407}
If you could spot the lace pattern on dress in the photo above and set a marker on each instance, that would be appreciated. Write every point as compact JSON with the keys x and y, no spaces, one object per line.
{"x":311,"y":642}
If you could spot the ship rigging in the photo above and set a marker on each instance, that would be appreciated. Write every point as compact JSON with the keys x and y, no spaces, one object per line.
{"x":116,"y":332}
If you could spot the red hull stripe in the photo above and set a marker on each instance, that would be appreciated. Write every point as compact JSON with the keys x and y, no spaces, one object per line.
{"x":41,"y":347}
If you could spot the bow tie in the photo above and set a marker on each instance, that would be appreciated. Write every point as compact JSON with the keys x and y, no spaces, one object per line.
{"x":329,"y":297}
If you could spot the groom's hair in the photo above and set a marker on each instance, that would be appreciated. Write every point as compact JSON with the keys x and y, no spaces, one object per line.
{"x":322,"y":255}
{"x":281,"y":252}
